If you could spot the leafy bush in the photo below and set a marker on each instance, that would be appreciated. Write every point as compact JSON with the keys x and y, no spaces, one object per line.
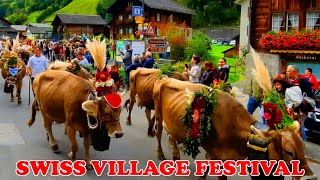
{"x":199,"y":45}
{"x":176,"y":37}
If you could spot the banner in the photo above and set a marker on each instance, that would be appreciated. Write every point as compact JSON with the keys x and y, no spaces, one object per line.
{"x":138,"y":48}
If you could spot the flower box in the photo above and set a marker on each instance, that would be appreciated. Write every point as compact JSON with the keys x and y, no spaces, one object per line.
{"x":291,"y":40}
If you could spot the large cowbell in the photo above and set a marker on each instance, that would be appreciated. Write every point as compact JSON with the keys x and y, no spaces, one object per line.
{"x":99,"y":138}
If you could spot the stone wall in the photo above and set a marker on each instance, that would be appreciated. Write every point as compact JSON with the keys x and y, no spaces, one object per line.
{"x":272,"y":62}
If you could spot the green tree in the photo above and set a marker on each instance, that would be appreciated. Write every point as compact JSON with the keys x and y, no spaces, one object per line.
{"x":102,"y":7}
{"x":199,"y":45}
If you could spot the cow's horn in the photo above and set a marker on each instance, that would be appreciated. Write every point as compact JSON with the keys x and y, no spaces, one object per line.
{"x":92,"y":126}
{"x":124,"y":92}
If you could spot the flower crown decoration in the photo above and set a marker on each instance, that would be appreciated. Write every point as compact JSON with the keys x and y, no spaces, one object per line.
{"x":74,"y":68}
{"x":274,"y":106}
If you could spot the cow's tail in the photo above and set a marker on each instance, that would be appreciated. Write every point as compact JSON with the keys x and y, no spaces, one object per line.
{"x":125,"y":106}
{"x":33,"y":113}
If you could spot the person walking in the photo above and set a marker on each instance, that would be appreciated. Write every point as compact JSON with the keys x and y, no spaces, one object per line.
{"x":36,"y":64}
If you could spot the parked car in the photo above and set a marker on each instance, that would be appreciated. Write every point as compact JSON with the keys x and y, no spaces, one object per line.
{"x":232,"y":43}
{"x":312,"y":123}
{"x":214,"y":41}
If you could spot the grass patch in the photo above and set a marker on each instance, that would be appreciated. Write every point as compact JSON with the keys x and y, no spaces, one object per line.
{"x":32,"y":17}
{"x":216,"y":53}
{"x":77,"y":7}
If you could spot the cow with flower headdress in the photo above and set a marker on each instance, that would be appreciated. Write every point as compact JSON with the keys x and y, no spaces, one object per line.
{"x":199,"y":116}
{"x":13,"y":70}
{"x":63,"y":97}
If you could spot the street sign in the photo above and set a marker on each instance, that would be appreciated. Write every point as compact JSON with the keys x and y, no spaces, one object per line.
{"x":157,"y":45}
{"x":157,"y":41}
{"x":139,"y":19}
{"x":150,"y":31}
{"x":137,"y":11}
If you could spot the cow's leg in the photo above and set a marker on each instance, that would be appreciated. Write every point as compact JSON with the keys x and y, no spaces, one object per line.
{"x":86,"y":144}
{"x":73,"y":142}
{"x":18,"y":93}
{"x":130,"y":110}
{"x":11,"y":92}
{"x":52,"y":141}
{"x":151,"y":131}
{"x":160,"y":153}
{"x":174,"y":146}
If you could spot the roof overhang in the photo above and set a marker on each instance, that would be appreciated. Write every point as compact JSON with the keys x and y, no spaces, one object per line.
{"x":296,"y":51}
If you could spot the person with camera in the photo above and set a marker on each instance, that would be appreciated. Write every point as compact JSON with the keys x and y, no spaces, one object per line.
{"x":195,"y":71}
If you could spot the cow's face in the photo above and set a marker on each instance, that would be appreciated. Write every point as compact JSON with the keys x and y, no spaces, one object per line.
{"x":104,"y":115}
{"x":286,"y":145}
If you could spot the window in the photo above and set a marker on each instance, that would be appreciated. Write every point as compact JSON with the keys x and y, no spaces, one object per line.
{"x":313,"y":20}
{"x":121,"y":31}
{"x":130,"y":4}
{"x":171,"y":18}
{"x":120,"y":17}
{"x":130,"y":30}
{"x":292,"y":20}
{"x":277,"y":22}
{"x":158,"y":17}
{"x":130,"y":16}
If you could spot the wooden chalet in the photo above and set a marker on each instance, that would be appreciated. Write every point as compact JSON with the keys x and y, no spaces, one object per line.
{"x":262,"y":16}
{"x":234,"y":51}
{"x":156,"y":12}
{"x":6,"y":30}
{"x":65,"y":25}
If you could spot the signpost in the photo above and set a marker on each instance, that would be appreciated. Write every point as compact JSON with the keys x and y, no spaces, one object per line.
{"x":157,"y":45}
{"x":137,"y":11}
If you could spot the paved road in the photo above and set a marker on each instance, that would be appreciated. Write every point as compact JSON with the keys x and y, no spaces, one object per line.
{"x":17,"y":142}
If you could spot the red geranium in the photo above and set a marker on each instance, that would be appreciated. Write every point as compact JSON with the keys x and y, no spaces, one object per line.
{"x":272,"y":114}
{"x":291,"y":40}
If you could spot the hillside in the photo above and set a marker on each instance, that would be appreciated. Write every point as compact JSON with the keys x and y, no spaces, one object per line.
{"x":77,"y":7}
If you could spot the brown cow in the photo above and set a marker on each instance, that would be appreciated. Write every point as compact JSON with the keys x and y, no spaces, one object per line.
{"x":232,"y":126}
{"x":13,"y":81}
{"x":141,"y":88}
{"x":62,"y":66}
{"x":65,"y":98}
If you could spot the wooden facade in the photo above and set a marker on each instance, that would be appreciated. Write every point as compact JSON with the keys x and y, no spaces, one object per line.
{"x":262,"y":13}
{"x":65,"y":25}
{"x":124,"y":24}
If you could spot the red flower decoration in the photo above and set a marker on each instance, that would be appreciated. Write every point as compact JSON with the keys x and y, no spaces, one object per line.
{"x":272,"y":114}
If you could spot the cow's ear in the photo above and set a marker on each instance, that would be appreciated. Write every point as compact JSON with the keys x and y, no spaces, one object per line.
{"x":91,"y":107}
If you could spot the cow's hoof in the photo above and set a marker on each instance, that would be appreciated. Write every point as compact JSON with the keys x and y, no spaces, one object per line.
{"x":161,"y":156}
{"x":55,"y":148}
{"x":129,"y":123}
{"x":151,"y":133}
{"x":19,"y":102}
{"x":11,"y":100}
{"x":71,"y":156}
{"x":89,"y":166}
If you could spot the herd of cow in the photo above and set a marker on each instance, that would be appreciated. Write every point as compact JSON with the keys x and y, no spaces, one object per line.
{"x":63,"y":97}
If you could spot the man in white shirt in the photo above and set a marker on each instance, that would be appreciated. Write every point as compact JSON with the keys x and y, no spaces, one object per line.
{"x":81,"y":59}
{"x":36,"y":64}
